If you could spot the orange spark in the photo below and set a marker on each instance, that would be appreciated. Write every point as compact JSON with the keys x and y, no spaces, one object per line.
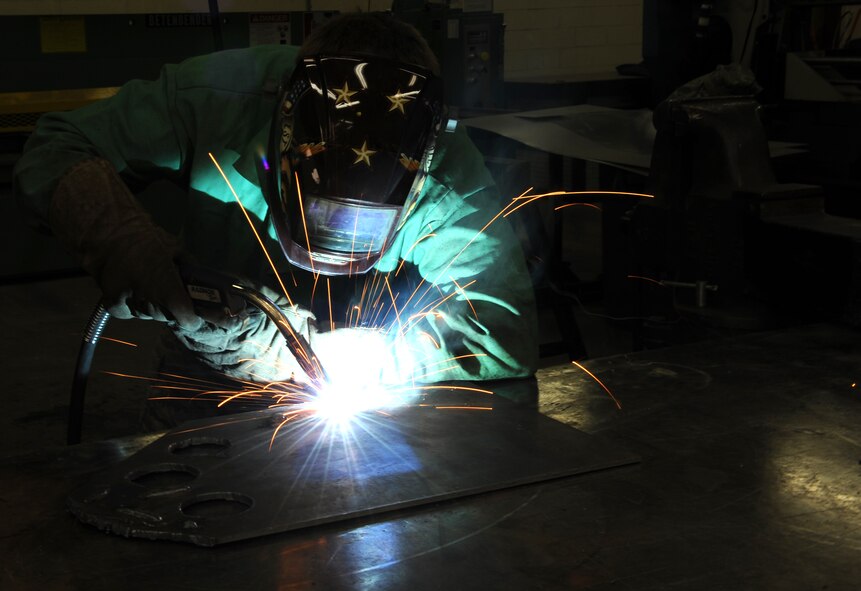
{"x":620,"y":193}
{"x":427,"y":335}
{"x":353,"y":244}
{"x":440,"y":370}
{"x":329,"y":293}
{"x":650,"y":280}
{"x":466,"y":356}
{"x":215,"y":425}
{"x":394,"y":300}
{"x":179,"y":383}
{"x":126,"y":343}
{"x":304,"y":222}
{"x":434,"y":305}
{"x":259,"y":240}
{"x":358,"y":311}
{"x":404,"y":260}
{"x":600,"y":383}
{"x":167,"y":387}
{"x":464,"y":388}
{"x":592,"y":205}
{"x":190,"y":379}
{"x":376,"y":304}
{"x":530,"y":198}
{"x":289,"y":417}
{"x":503,"y":212}
{"x":463,"y":293}
{"x":238,"y":395}
{"x":184,"y":398}
{"x":314,"y":289}
{"x":415,"y":291}
{"x":253,"y":229}
{"x":365,"y":285}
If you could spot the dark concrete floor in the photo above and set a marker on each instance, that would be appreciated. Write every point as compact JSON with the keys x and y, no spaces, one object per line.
{"x":748,"y":479}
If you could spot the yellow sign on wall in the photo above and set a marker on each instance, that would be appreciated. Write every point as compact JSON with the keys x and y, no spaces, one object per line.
{"x":63,"y":34}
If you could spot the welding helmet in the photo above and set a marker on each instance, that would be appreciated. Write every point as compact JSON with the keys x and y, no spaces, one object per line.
{"x":350,"y":146}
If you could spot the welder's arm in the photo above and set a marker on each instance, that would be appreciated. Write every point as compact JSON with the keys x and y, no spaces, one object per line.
{"x":93,"y":213}
{"x":139,"y":131}
{"x":478,"y":317}
{"x":72,"y":180}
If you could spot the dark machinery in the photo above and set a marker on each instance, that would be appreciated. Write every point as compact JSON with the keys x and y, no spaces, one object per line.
{"x":469,"y":47}
{"x":720,"y":218}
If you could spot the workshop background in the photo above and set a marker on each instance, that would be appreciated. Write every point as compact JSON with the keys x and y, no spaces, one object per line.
{"x":621,"y":275}
{"x":722,"y":308}
{"x":754,"y":225}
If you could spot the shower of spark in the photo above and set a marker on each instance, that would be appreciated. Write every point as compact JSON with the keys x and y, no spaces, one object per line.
{"x":354,"y":388}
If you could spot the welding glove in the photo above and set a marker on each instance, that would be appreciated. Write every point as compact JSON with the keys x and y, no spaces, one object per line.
{"x":132,"y":259}
{"x":250,"y":347}
{"x":254,"y":349}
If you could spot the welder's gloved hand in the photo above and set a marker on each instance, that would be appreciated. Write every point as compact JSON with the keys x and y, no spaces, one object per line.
{"x":250,"y":347}
{"x":132,"y":259}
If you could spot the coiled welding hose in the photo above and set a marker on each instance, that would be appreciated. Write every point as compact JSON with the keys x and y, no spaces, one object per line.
{"x":296,"y":343}
{"x":95,"y":327}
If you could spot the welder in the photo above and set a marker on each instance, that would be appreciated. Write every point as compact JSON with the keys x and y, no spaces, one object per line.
{"x":344,"y":162}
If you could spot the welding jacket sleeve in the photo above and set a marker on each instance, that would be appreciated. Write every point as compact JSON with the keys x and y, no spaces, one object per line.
{"x":150,"y":130}
{"x":473,"y":316}
{"x":163,"y":130}
{"x":69,"y":177}
{"x":133,"y":260}
{"x":74,"y":178}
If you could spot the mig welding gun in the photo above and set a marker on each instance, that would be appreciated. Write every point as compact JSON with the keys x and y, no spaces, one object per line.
{"x":210,"y":291}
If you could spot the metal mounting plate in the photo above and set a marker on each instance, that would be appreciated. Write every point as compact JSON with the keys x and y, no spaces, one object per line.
{"x":217,"y":480}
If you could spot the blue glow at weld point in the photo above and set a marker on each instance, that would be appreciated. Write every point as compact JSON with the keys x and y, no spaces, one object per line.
{"x":265,"y":163}
{"x":356,"y":363}
{"x":340,"y":404}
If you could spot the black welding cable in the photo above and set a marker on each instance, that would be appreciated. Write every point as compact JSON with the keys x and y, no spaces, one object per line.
{"x":93,"y":332}
{"x":99,"y":319}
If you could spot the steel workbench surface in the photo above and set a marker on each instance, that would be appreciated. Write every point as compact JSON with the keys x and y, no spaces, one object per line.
{"x":749,"y":479}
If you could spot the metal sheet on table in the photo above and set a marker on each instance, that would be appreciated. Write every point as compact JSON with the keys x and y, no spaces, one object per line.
{"x":217,"y":480}
{"x":618,"y":137}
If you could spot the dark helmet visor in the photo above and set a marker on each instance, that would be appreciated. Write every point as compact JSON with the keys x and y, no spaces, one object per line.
{"x":353,"y":137}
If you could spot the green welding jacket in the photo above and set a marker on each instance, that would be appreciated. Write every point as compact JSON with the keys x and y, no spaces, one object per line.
{"x":472,"y":313}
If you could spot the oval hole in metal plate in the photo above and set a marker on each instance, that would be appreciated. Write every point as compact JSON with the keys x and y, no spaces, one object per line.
{"x":163,"y":475}
{"x":217,"y":504}
{"x":201,"y":446}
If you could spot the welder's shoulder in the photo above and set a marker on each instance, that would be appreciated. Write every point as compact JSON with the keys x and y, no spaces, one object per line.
{"x":458,"y":165}
{"x":239,"y":71}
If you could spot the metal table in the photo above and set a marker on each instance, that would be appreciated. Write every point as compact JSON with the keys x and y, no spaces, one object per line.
{"x":749,"y":479}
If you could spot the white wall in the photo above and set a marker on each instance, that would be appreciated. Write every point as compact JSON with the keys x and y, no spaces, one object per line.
{"x":57,"y":7}
{"x":557,"y":37}
{"x":543,"y":37}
